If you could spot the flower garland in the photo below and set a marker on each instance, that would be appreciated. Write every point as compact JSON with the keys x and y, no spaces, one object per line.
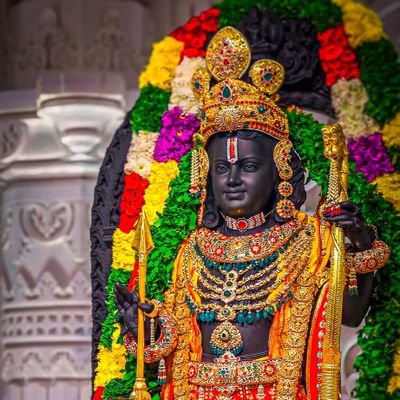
{"x":176,"y":135}
{"x":148,"y":109}
{"x":381,"y":79}
{"x":111,"y":362}
{"x":160,"y":177}
{"x":163,"y":61}
{"x":337,"y":58}
{"x":361,"y":23}
{"x":356,"y":76}
{"x":370,"y":156}
{"x":391,"y":132}
{"x":348,"y":100}
{"x":140,"y":153}
{"x":322,"y":13}
{"x":182,"y":95}
{"x":132,"y":201}
{"x":194,"y":34}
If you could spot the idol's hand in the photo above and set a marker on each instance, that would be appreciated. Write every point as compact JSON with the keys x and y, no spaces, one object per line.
{"x":127,"y":304}
{"x":348,"y":216}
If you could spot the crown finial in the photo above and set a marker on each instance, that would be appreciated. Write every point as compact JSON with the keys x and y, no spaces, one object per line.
{"x":228,"y":54}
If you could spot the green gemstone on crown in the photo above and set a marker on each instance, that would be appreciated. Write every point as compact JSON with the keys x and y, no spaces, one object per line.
{"x":226,"y":92}
{"x":268,"y":76}
{"x":261,"y":109}
{"x":197,"y":85}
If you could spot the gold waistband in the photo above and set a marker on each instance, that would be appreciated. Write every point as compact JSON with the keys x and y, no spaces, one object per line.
{"x":229,"y":370}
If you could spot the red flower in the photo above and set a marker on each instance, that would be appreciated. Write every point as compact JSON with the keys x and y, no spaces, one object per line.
{"x":192,"y":24}
{"x":193,"y":52}
{"x":98,"y":394}
{"x":199,"y":40}
{"x":132,"y":201}
{"x":337,"y":58}
{"x":194,"y":33}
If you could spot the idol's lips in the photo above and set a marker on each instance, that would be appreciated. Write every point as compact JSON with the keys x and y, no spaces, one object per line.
{"x":234,"y":191}
{"x":235,"y":195}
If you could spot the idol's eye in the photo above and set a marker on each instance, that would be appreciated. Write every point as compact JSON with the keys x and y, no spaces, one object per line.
{"x":221,"y":168}
{"x":250,"y":167}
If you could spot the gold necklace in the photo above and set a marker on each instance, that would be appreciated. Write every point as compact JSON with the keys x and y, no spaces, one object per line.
{"x":294,"y":256}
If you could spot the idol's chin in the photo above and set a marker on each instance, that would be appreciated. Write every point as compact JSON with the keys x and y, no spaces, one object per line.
{"x":237,"y":212}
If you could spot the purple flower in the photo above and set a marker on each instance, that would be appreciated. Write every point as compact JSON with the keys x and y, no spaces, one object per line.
{"x":176,"y":135}
{"x":370,"y":155}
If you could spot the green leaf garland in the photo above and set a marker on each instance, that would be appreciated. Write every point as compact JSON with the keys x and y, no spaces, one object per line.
{"x":149,"y":107}
{"x":171,"y":229}
{"x":380,"y":74}
{"x":107,"y":329}
{"x":322,"y":13}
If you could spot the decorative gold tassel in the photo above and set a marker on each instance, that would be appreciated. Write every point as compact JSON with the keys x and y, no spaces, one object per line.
{"x":162,"y":373}
{"x":352,"y":281}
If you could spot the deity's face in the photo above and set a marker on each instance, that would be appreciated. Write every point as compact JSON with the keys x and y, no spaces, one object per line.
{"x":242,"y":186}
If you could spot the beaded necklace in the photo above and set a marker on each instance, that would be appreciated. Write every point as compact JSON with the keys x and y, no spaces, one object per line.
{"x":249,"y":287}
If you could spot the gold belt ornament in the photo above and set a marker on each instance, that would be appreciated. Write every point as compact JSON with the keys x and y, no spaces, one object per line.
{"x":229,"y":370}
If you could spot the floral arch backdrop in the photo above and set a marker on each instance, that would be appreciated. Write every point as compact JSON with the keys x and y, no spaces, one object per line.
{"x":360,"y":89}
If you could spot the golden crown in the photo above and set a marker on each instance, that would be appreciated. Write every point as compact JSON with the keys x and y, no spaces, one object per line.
{"x":233,"y":104}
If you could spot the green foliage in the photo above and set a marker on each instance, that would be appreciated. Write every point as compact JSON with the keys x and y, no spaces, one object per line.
{"x":322,"y":13}
{"x":170,"y":230}
{"x":149,"y":107}
{"x":380,"y":74}
{"x":107,"y":329}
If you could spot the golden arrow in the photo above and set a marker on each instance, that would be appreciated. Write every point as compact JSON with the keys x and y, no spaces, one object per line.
{"x":143,"y":244}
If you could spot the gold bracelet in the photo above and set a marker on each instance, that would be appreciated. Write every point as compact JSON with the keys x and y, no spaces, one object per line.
{"x":364,"y":262}
{"x":164,"y":344}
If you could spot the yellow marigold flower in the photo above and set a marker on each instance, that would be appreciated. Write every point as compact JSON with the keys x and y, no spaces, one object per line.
{"x":161,"y":175}
{"x":110,"y":362}
{"x":391,"y":132}
{"x":389,"y":186}
{"x":360,"y":23}
{"x":394,"y":381}
{"x":162,"y":64}
{"x":123,"y":255}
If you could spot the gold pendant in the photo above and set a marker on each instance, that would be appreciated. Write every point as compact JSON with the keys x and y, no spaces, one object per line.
{"x":226,"y":337}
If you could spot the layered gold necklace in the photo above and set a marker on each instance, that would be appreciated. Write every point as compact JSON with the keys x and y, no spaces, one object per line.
{"x":243,"y":279}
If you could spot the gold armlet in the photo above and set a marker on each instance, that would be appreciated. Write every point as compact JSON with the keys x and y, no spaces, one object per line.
{"x":364,"y":262}
{"x":164,"y":344}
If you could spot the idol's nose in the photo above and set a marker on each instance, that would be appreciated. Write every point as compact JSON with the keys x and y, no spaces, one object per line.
{"x":234,"y":178}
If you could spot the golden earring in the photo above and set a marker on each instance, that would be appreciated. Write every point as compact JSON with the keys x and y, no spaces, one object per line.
{"x":198,"y":179}
{"x":285,"y":207}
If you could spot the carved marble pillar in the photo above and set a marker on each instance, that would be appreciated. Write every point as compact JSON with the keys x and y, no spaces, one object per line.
{"x":48,"y":167}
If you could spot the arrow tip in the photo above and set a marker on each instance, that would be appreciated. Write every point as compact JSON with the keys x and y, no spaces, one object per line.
{"x":143,"y":240}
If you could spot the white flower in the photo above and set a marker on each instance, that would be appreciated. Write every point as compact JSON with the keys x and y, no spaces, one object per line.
{"x":140,"y":153}
{"x":182,"y":95}
{"x":349,"y":99}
